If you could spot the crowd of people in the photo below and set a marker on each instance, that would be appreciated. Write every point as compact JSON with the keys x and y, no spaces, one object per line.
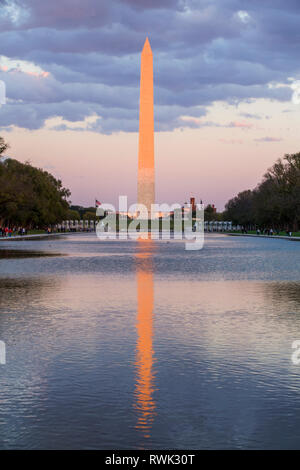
{"x":14,"y":231}
{"x":270,"y":231}
{"x":11,"y":231}
{"x":265,"y":231}
{"x":7,"y":231}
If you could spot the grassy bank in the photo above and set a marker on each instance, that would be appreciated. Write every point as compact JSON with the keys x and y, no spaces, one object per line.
{"x":280,"y":234}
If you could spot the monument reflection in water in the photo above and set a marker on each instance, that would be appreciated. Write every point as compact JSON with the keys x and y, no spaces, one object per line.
{"x":144,"y":388}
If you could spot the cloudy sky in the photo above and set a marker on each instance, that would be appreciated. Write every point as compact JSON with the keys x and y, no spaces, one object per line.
{"x":227,"y":75}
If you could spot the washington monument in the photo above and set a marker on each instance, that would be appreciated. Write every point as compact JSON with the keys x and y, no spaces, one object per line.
{"x":146,"y":190}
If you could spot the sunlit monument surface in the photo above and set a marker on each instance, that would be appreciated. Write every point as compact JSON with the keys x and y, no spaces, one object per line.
{"x":146,"y":189}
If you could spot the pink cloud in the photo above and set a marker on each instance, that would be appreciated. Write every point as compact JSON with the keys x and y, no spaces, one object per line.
{"x":242,"y":125}
{"x":38,"y":74}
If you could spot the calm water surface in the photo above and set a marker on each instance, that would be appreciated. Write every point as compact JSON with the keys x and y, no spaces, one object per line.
{"x":143,"y":345}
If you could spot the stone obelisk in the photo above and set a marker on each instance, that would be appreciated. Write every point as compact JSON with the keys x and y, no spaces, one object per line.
{"x":146,"y":190}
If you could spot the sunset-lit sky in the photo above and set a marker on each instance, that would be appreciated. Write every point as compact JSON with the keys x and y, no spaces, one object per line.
{"x":226,"y":92}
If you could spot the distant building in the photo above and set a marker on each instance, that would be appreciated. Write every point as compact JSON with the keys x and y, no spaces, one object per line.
{"x":193,"y":204}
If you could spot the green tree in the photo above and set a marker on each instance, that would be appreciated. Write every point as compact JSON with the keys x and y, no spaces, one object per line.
{"x":73,"y":215}
{"x":30,"y":196}
{"x":275,"y":202}
{"x":3,"y":146}
{"x":90,"y":215}
{"x":240,"y":209}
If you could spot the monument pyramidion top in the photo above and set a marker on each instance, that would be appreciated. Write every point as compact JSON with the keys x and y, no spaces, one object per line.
{"x":147,"y":48}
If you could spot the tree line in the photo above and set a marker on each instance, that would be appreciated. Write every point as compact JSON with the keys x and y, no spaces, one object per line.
{"x":30,"y":196}
{"x":274,"y":203}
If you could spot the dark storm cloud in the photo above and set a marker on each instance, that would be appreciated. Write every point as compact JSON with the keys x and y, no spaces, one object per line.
{"x":204,"y":50}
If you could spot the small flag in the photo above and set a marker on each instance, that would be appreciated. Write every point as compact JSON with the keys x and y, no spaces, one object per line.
{"x":98,"y":203}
